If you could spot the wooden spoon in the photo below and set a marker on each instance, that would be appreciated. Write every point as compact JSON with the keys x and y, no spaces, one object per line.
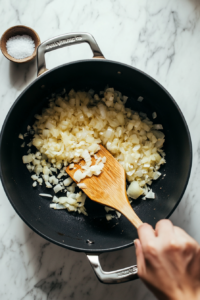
{"x":109,"y":188}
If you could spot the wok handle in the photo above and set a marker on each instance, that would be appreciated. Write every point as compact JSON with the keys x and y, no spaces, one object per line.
{"x":118,"y":276}
{"x":65,"y":40}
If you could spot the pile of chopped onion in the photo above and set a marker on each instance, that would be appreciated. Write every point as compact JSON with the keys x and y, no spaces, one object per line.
{"x":71,"y":129}
{"x":44,"y":172}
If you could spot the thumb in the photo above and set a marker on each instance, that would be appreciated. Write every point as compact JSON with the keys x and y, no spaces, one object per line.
{"x":140,"y":258}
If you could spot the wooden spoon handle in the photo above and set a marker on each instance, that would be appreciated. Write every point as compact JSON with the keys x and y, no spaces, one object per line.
{"x":132,"y":217}
{"x":129,"y":213}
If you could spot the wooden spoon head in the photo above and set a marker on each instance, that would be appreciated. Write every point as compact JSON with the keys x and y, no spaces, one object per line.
{"x":109,"y":188}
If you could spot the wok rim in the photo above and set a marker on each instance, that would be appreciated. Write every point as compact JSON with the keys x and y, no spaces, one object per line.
{"x":92,"y":251}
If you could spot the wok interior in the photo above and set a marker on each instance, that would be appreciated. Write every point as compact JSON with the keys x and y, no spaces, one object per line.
{"x":71,"y":229}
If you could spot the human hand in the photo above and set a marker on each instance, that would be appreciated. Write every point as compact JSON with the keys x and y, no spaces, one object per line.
{"x":168,"y":261}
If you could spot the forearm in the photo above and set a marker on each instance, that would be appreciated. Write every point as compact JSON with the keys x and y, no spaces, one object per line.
{"x":185,"y":295}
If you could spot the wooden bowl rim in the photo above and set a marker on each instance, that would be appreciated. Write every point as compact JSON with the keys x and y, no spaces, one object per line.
{"x":37,"y":43}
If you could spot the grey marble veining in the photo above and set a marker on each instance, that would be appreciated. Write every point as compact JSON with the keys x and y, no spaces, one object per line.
{"x":159,"y":37}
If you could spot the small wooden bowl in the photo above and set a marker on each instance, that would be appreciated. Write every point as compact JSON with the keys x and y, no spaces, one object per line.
{"x":19,"y":30}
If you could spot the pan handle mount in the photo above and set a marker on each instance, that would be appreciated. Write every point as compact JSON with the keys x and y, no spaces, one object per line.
{"x":65,"y":40}
{"x":118,"y":276}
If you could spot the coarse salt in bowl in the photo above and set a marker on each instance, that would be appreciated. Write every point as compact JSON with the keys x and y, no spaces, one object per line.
{"x":19,"y":44}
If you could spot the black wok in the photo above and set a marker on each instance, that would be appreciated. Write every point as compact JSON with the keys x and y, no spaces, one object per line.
{"x":69,"y":229}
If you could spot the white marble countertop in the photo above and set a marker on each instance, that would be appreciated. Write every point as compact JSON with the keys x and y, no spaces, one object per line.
{"x":161,"y":38}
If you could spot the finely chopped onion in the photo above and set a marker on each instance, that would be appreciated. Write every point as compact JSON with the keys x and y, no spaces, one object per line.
{"x":74,"y":125}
